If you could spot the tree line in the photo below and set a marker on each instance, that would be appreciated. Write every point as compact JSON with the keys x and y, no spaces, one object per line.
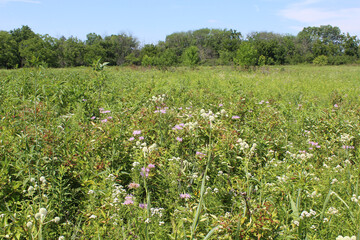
{"x":326,"y":44}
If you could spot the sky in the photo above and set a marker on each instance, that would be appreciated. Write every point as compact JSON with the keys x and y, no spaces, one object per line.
{"x":151,"y":21}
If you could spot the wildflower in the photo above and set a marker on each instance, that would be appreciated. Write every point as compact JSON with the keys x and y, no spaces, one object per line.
{"x":56,"y":220}
{"x":133,"y":185}
{"x":128,"y":200}
{"x":346,"y":238}
{"x":296,"y":222}
{"x":332,"y":211}
{"x":61,"y":238}
{"x":200,"y":154}
{"x":29,"y":224}
{"x":131,"y":139}
{"x":161,"y":223}
{"x":151,"y":166}
{"x":31,"y":190}
{"x":144,"y":172}
{"x":91,"y":192}
{"x":142,"y":205}
{"x":220,"y":105}
{"x":104,"y":120}
{"x":92,"y":216}
{"x":43,"y":212}
{"x":93,"y":117}
{"x":110,"y":117}
{"x":136,"y":132}
{"x":141,"y":138}
{"x":147,"y":220}
{"x":42,"y":179}
{"x":106,"y":111}
{"x":135,"y":164}
{"x":185,"y":196}
{"x":335,"y":105}
{"x":179,"y":139}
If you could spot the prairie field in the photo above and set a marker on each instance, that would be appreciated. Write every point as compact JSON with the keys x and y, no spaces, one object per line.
{"x":204,"y":153}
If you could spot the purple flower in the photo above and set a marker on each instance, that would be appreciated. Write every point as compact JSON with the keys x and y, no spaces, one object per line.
{"x":235,"y":117}
{"x":151,"y":166}
{"x":84,"y":100}
{"x":136,"y":132}
{"x":128,"y":200}
{"x":142,"y":205}
{"x":110,"y":117}
{"x":185,"y":196}
{"x":107,"y":111}
{"x":141,"y":138}
{"x":200,"y":154}
{"x":220,"y":105}
{"x":335,"y":105}
{"x":131,"y":139}
{"x":145,"y":172}
{"x":104,"y":120}
{"x":179,"y":139}
{"x":93,"y":117}
{"x":177,"y":127}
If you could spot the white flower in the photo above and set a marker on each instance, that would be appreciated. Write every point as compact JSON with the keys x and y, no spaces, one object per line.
{"x":42,"y":179}
{"x":29,"y":224}
{"x":56,"y":219}
{"x":91,"y":192}
{"x":296,"y":222}
{"x":92,"y":216}
{"x":332,"y":211}
{"x":61,"y":238}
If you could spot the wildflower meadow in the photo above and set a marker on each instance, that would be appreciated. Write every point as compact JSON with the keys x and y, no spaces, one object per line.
{"x":200,"y":153}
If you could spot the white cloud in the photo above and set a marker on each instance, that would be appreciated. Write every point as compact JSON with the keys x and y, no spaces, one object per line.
{"x":24,"y":1}
{"x":311,"y":13}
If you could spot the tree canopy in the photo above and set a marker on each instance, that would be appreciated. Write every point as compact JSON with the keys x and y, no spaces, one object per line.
{"x":22,"y":47}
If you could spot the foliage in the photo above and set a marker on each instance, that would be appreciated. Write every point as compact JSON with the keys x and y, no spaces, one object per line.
{"x":321,"y":60}
{"x":213,"y":153}
{"x":246,"y":55}
{"x":22,"y":47}
{"x":191,"y":56}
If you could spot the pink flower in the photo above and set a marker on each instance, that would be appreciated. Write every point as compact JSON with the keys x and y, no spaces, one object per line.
{"x":179,"y":139}
{"x":93,"y":117}
{"x":185,"y":196}
{"x":131,"y":139}
{"x":235,"y":117}
{"x":142,"y":205}
{"x":151,"y":166}
{"x":128,"y":200}
{"x":133,"y":185}
{"x":141,"y":138}
{"x":136,"y":132}
{"x":335,"y":105}
{"x":145,"y":172}
{"x":104,"y":120}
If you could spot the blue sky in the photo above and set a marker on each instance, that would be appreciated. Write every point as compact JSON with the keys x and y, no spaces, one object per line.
{"x":150,"y":21}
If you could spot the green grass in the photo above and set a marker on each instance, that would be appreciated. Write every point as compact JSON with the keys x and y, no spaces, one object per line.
{"x":293,"y":175}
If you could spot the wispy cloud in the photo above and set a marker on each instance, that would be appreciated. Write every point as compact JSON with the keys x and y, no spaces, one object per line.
{"x":320,"y":12}
{"x":24,"y":1}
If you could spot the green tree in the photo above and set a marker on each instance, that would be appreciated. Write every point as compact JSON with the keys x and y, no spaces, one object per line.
{"x":8,"y":51}
{"x":191,"y":56}
{"x":246,"y":55}
{"x":117,"y":47}
{"x":38,"y":50}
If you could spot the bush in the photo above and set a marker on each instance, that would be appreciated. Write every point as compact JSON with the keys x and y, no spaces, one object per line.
{"x":321,"y":60}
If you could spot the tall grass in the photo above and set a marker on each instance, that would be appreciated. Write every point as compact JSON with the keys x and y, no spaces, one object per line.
{"x":185,"y":154}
